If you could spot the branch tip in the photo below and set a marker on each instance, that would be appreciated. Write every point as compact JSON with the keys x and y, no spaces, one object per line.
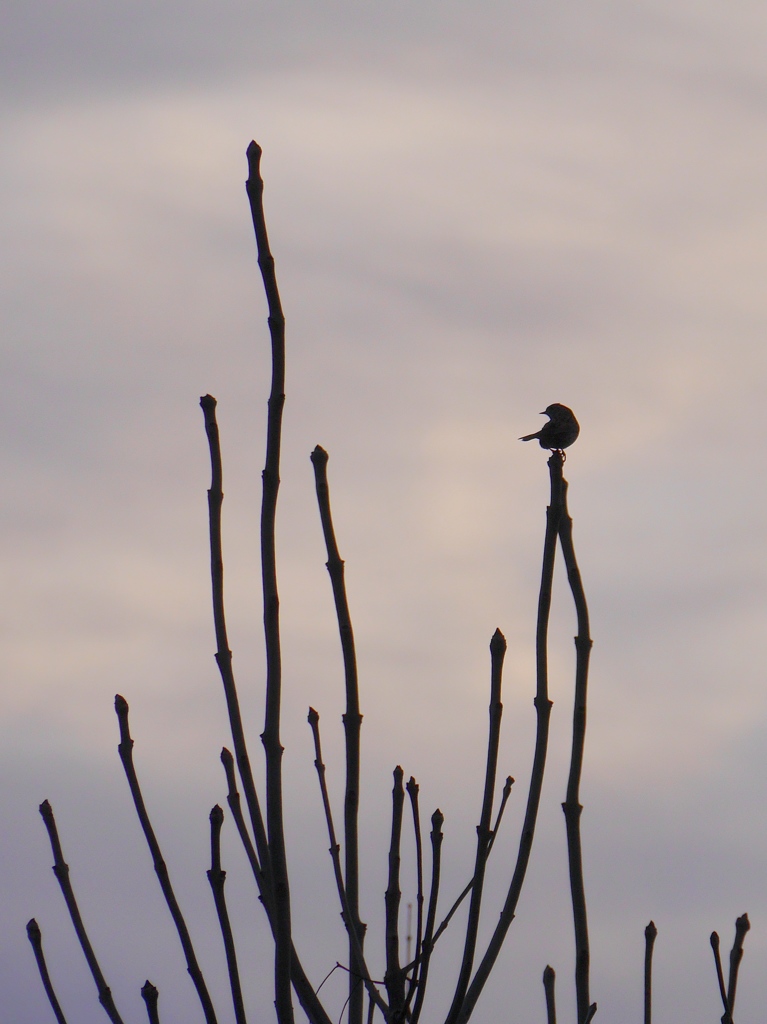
{"x":498,"y":642}
{"x":319,"y":457}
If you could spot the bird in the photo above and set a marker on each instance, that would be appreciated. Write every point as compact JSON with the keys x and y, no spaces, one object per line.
{"x":561,"y":430}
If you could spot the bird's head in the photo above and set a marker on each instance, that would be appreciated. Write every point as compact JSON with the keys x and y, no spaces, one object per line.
{"x":552,"y":411}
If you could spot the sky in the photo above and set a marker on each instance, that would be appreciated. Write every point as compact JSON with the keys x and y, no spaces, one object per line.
{"x":475,"y":210}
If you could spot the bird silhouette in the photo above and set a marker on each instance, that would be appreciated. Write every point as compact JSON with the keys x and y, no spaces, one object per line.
{"x":561,"y":430}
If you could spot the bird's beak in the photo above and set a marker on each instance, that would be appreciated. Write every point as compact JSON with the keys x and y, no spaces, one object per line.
{"x":542,"y":413}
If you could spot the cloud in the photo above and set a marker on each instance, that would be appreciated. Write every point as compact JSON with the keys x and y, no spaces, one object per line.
{"x":474,"y":213}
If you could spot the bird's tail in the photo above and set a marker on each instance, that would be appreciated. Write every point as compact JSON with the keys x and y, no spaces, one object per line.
{"x":530,"y":437}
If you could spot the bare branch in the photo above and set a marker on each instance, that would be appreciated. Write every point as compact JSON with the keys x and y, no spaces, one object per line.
{"x":549,"y":978}
{"x":352,"y":720}
{"x":394,"y":976}
{"x":726,"y":1017}
{"x":742,"y":925}
{"x":412,"y":792}
{"x":150,"y":995}
{"x":437,"y":820}
{"x":314,"y":722}
{"x":35,"y":937}
{"x":271,"y":483}
{"x":650,"y":935}
{"x":543,"y":708}
{"x":468,"y":887}
{"x":484,"y":834}
{"x":572,"y":807}
{"x":223,"y":653}
{"x":217,"y":878}
{"x":61,"y":871}
{"x":125,"y":750}
{"x":304,"y":990}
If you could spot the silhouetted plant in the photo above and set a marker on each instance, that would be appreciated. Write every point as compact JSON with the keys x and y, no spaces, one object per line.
{"x":400,"y":996}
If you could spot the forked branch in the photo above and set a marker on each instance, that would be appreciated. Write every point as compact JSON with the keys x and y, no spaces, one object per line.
{"x":543,"y":710}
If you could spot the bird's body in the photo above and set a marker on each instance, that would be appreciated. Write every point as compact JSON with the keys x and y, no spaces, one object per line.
{"x":561,"y":430}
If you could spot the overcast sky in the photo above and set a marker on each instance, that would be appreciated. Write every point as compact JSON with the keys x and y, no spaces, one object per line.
{"x":476,"y":210}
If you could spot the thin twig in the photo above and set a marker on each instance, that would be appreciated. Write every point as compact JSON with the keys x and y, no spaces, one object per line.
{"x":549,"y":978}
{"x":572,"y":807}
{"x":150,"y":995}
{"x":235,"y":806}
{"x":217,"y":878}
{"x":727,"y":1016}
{"x":484,"y":833}
{"x":271,"y":483}
{"x":543,"y":708}
{"x":61,"y":871}
{"x":437,"y":820}
{"x":35,"y":937}
{"x":394,"y":976}
{"x":352,"y":720}
{"x":314,"y":722}
{"x":591,"y":1013}
{"x":125,"y":750}
{"x":742,"y":925}
{"x":224,"y":654}
{"x":650,"y":935}
{"x":412,"y":792}
{"x":307,"y":996}
{"x":467,"y":888}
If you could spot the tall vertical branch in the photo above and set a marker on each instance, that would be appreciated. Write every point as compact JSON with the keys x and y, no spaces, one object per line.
{"x":412,"y":791}
{"x":543,"y":710}
{"x":394,"y":977}
{"x":352,"y":720}
{"x":437,"y":820}
{"x":572,"y":807}
{"x":484,"y":832}
{"x":224,"y":654}
{"x":271,"y":483}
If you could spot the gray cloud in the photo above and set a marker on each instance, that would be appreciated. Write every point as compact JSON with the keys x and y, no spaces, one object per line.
{"x":474,"y":213}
